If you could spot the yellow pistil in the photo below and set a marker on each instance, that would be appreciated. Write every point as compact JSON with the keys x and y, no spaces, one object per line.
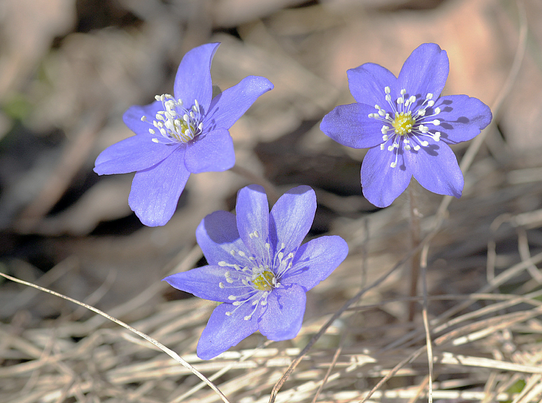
{"x":265,"y":281}
{"x":403,"y":123}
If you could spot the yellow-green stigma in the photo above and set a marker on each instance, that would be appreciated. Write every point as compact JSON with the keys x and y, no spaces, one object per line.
{"x":403,"y":123}
{"x":264,"y":281}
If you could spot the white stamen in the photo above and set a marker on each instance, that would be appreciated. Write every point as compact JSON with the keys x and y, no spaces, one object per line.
{"x":176,"y":123}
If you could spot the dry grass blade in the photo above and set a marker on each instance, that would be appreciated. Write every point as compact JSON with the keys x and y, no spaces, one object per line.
{"x":154,"y":342}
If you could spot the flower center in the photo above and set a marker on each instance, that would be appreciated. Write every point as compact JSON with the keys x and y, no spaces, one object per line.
{"x":175,"y":123}
{"x":403,"y":123}
{"x":265,"y":281}
{"x":408,"y":128}
{"x":254,"y":277}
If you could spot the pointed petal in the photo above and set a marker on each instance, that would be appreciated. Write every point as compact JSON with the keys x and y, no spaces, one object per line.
{"x":213,"y":152}
{"x":204,"y":282}
{"x":435,"y":168}
{"x":315,"y":261}
{"x":425,"y":71}
{"x":227,"y":107}
{"x":132,"y":118}
{"x":462,"y":118}
{"x":350,"y":126}
{"x":284,"y":315}
{"x":135,"y":153}
{"x":193,"y":79}
{"x":223,"y":331}
{"x":367,"y":83}
{"x":382,"y":184}
{"x":253,"y":218}
{"x":155,"y":191}
{"x":217,"y":237}
{"x":291,"y":218}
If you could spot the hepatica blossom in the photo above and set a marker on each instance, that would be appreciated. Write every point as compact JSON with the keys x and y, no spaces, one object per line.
{"x":406,"y":125}
{"x":179,"y":134}
{"x":258,"y":269}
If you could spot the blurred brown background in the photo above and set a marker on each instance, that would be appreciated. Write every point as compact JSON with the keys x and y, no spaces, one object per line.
{"x":69,"y":69}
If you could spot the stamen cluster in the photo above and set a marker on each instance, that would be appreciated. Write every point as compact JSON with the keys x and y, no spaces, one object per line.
{"x":259,"y":276}
{"x":406,"y":122}
{"x":175,"y":123}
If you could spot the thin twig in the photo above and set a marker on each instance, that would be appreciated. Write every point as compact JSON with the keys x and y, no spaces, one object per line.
{"x":428,"y":342}
{"x":331,"y":366}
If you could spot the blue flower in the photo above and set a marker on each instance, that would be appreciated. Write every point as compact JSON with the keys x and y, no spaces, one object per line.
{"x":406,"y":125}
{"x":257,"y":268}
{"x":179,"y":135}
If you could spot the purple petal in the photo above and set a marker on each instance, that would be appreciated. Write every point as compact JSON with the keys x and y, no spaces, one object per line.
{"x":223,"y":331}
{"x":382,"y":184}
{"x":315,"y":260}
{"x":204,"y":282}
{"x":425,"y":71}
{"x":212,"y":152}
{"x":193,"y":79}
{"x":132,"y":118}
{"x":284,"y":315}
{"x":135,"y":153}
{"x":227,"y":107}
{"x":350,"y":126}
{"x":435,"y":168}
{"x":292,"y":217}
{"x":462,"y":118}
{"x":253,"y":218}
{"x":367,"y":83}
{"x":155,"y":191}
{"x":217,"y":236}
